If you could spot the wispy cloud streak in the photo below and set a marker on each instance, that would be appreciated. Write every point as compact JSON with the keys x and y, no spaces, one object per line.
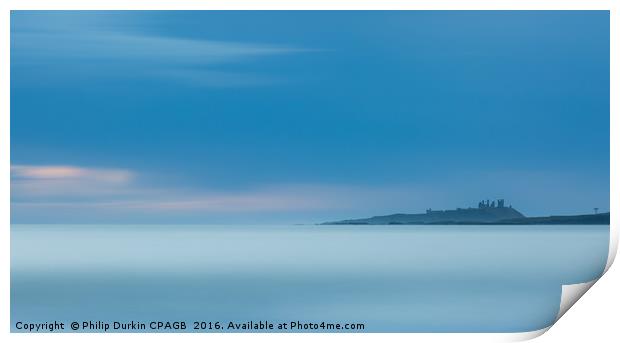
{"x":73,"y":187}
{"x":113,"y":51}
{"x":112,"y":46}
{"x":52,"y":183}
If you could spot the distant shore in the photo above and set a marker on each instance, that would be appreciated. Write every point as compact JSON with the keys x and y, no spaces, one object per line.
{"x":584,"y":219}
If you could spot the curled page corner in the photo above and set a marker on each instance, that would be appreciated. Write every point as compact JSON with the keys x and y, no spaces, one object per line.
{"x":526,"y":336}
{"x":613,"y":247}
{"x":572,"y":293}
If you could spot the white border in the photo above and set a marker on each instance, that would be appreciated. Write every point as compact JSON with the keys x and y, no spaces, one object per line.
{"x":7,"y":5}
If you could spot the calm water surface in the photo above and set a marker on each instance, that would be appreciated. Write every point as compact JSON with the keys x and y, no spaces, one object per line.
{"x":391,"y":278}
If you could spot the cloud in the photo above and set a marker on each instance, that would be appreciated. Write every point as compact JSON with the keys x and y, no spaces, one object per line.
{"x":70,"y":173}
{"x":61,"y":181}
{"x":283,"y":197}
{"x":46,"y":48}
{"x":112,"y":46}
{"x":77,"y":188}
{"x":66,"y":193}
{"x":46,"y":172}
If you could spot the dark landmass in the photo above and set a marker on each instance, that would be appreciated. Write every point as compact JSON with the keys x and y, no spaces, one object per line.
{"x":591,"y":219}
{"x":486,"y":214}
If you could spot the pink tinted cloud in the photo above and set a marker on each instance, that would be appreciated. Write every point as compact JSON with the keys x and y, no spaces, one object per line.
{"x":50,"y":181}
{"x":79,"y":188}
{"x":70,"y":173}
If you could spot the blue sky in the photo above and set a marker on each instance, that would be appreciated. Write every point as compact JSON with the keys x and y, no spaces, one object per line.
{"x":302,"y":117}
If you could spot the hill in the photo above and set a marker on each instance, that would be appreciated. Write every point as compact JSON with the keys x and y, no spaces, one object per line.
{"x":478,"y":215}
{"x":485,"y":214}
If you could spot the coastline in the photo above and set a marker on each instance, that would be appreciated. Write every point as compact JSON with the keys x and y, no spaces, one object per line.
{"x":584,"y":219}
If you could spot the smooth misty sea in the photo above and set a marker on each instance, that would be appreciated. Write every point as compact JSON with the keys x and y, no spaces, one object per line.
{"x":390,"y":278}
